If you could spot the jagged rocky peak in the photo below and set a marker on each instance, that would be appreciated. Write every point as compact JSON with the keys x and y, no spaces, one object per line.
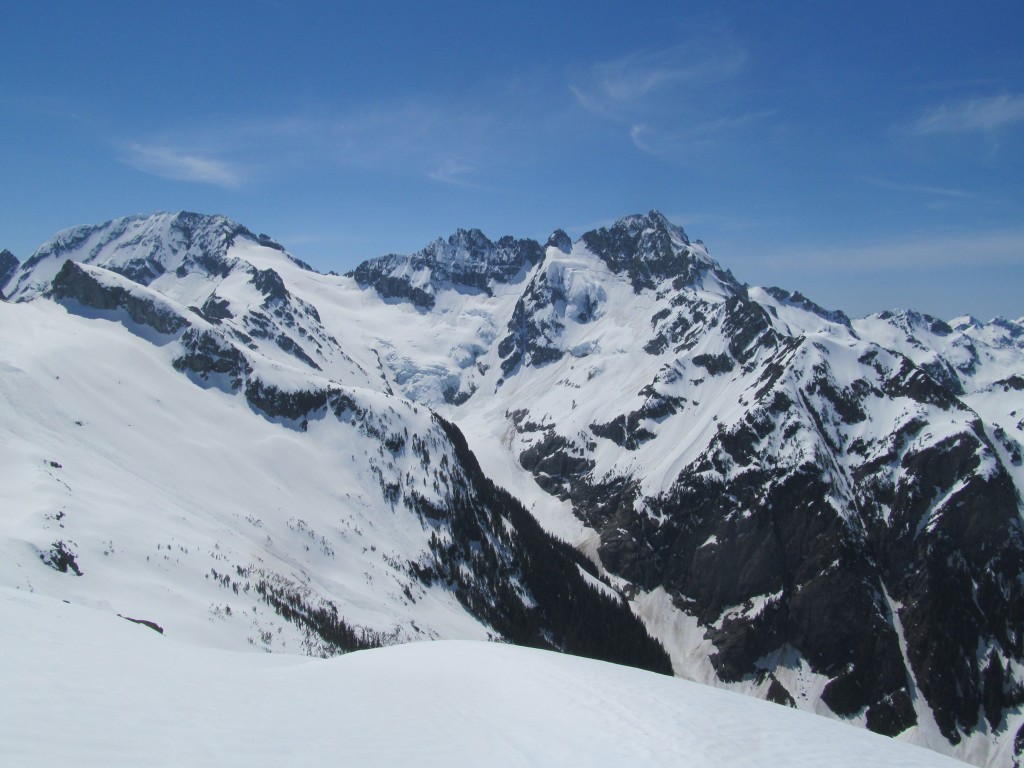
{"x":474,"y":259}
{"x":468,"y":259}
{"x":560,"y":240}
{"x":655,"y":220}
{"x":141,"y":248}
{"x":650,"y":248}
{"x":910,"y":321}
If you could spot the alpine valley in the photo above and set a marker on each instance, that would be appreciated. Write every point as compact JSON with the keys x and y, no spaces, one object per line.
{"x":610,"y":447}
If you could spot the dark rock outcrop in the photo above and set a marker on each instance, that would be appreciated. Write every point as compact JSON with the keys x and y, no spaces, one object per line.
{"x":468,"y":260}
{"x":76,"y":283}
{"x":210,"y":357}
{"x":8,"y":266}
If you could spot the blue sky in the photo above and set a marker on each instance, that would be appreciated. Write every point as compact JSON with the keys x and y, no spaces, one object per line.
{"x":868,"y":154}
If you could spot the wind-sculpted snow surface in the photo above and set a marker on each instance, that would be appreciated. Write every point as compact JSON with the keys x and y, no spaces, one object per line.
{"x":819,"y":511}
{"x":121,"y":694}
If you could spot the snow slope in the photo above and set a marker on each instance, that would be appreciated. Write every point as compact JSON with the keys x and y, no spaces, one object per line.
{"x":666,"y":420}
{"x":177,"y":500}
{"x":85,"y":688}
{"x":279,"y":510}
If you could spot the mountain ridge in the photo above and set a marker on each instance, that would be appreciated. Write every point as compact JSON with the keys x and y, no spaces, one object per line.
{"x":670,"y":422}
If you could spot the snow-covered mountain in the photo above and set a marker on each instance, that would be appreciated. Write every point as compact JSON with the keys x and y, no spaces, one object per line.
{"x":819,"y":511}
{"x":202,"y":453}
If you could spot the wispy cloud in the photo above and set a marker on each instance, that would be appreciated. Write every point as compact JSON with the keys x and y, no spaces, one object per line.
{"x":454,"y":172}
{"x":960,"y":83}
{"x":643,"y":80}
{"x":921,"y":189}
{"x":984,"y":114}
{"x":181,"y":165}
{"x":673,"y":138}
{"x":450,"y":145}
{"x":671,"y":100}
{"x":981,"y":249}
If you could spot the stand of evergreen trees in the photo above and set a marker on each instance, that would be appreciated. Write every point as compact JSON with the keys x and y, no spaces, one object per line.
{"x":561,"y":610}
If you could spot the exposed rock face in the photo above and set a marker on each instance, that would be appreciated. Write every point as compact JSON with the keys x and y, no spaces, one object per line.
{"x":815,"y":578}
{"x":8,"y":266}
{"x":211,"y":357}
{"x":816,"y":524}
{"x":79,"y":283}
{"x":533,"y":332}
{"x":798,"y":300}
{"x":560,"y":240}
{"x":248,"y":334}
{"x":467,"y":260}
{"x":649,"y":249}
{"x":832,"y":505}
{"x":832,"y":518}
{"x":141,"y":248}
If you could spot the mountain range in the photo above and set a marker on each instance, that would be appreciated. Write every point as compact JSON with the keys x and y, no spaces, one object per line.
{"x":608,"y":446}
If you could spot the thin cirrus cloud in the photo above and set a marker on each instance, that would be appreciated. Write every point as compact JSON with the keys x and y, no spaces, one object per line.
{"x":665,"y":97}
{"x":449,"y":147}
{"x":454,"y":172}
{"x":638,"y":82}
{"x":681,"y":137}
{"x":983,"y":114}
{"x":981,"y":249}
{"x":918,"y":189}
{"x":178,"y":164}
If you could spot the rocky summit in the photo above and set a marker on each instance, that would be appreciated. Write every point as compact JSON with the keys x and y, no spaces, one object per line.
{"x":816,"y":510}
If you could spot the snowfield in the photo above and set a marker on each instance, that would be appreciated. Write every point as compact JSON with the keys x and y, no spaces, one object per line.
{"x":168,"y":493}
{"x":83,"y":687}
{"x":199,"y":430}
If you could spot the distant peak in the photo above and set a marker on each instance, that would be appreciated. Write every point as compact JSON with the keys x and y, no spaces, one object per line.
{"x":654,"y":220}
{"x":910,"y":319}
{"x":965,"y":321}
{"x":560,"y":240}
{"x":649,"y":248}
{"x":467,"y":259}
{"x":470,"y":239}
{"x":141,"y":247}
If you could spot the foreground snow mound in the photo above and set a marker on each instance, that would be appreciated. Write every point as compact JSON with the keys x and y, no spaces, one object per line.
{"x":85,"y":688}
